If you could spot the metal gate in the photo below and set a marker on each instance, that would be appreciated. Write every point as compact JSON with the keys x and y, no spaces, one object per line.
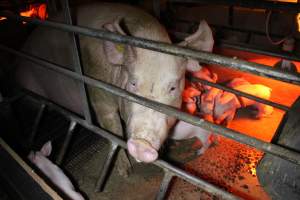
{"x":210,"y":58}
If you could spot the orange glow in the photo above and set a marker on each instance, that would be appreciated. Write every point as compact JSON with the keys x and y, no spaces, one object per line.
{"x":36,"y":10}
{"x":187,"y":97}
{"x":189,"y":93}
{"x":2,"y":18}
{"x":298,"y":21}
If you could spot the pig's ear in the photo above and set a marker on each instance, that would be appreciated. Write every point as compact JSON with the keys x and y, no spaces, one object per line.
{"x":193,"y":65}
{"x":117,"y":54}
{"x":201,"y":40}
{"x":46,"y":149}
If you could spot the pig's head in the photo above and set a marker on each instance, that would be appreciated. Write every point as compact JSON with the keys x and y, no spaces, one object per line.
{"x":156,"y":76}
{"x":39,"y":158}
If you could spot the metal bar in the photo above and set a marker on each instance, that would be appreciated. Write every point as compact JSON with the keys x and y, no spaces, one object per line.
{"x":249,"y":48}
{"x":237,"y":92}
{"x":273,"y":149}
{"x":108,"y":135}
{"x":210,"y":188}
{"x":210,"y":58}
{"x":36,"y":123}
{"x":77,"y":63}
{"x":164,"y":185}
{"x":270,"y":5}
{"x":242,"y":47}
{"x":66,"y":143}
{"x":232,"y":28}
{"x":106,"y":166}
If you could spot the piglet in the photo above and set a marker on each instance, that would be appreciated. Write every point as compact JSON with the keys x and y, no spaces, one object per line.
{"x":206,"y":74}
{"x":184,"y":130}
{"x":258,"y":90}
{"x":53,"y":172}
{"x":225,"y":107}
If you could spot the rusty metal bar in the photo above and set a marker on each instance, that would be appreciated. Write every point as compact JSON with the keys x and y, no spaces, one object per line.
{"x":77,"y":63}
{"x":164,"y":185}
{"x":237,"y":92}
{"x":66,"y":143}
{"x":106,"y":166}
{"x":273,"y":149}
{"x":210,"y":58}
{"x":163,"y":164}
{"x":36,"y":123}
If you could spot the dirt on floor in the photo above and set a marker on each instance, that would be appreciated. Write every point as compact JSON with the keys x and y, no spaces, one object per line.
{"x":228,"y":164}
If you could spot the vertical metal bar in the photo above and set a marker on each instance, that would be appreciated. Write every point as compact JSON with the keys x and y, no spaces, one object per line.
{"x":103,"y":175}
{"x":36,"y":123}
{"x":164,"y":185}
{"x":66,"y":143}
{"x":77,"y":64}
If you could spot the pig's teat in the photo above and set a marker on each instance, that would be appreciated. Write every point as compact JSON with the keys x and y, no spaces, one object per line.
{"x":142,"y":150}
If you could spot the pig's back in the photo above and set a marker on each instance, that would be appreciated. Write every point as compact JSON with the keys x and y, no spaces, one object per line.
{"x":55,"y":46}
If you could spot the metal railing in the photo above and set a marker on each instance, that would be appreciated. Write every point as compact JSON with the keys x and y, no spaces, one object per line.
{"x":170,"y":171}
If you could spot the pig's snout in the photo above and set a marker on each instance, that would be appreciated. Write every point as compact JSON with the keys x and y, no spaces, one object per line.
{"x":142,"y":150}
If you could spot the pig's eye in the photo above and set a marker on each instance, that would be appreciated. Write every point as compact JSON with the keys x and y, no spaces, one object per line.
{"x":131,"y":86}
{"x":172,"y":90}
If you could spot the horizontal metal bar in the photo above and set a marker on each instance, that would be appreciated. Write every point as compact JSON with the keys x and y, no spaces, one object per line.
{"x":273,"y":149}
{"x":163,"y":164}
{"x":164,"y":185}
{"x":106,"y":166}
{"x":242,"y":47}
{"x":232,"y":28}
{"x":248,"y":48}
{"x":210,"y":58}
{"x":239,"y":93}
{"x":270,"y":5}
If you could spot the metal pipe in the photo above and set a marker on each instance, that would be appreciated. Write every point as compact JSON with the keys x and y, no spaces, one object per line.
{"x":77,"y":63}
{"x":164,"y":185}
{"x":270,"y":5}
{"x":160,"y":163}
{"x":247,"y":48}
{"x":237,"y":92}
{"x":66,"y":143}
{"x":210,"y":58}
{"x":210,"y":188}
{"x":106,"y":166}
{"x":242,"y":47}
{"x":36,"y":123}
{"x":273,"y":149}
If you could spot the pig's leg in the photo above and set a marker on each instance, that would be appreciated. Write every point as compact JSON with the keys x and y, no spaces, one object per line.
{"x":111,"y":121}
{"x":109,"y":118}
{"x":205,"y":145}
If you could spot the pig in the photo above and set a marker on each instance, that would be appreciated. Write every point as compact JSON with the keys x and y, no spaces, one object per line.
{"x":153,"y":75}
{"x":184,"y":130}
{"x":226,"y":105}
{"x":218,"y":106}
{"x":259,"y":90}
{"x":53,"y":172}
{"x":206,"y":74}
{"x":189,"y":96}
